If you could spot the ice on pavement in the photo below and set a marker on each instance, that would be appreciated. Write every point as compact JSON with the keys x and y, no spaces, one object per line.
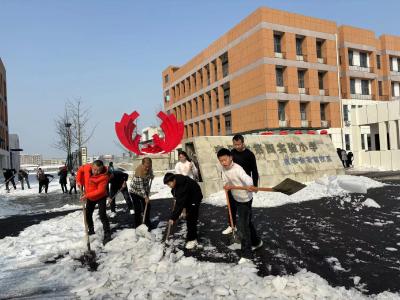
{"x":371,"y":203}
{"x":132,"y":267}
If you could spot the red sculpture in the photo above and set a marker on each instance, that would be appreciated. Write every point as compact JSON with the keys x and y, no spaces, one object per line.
{"x":173,"y":134}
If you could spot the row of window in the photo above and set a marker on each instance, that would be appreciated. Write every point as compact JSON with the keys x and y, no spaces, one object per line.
{"x":278,"y":36}
{"x":186,"y":109}
{"x":282,"y":106}
{"x":301,"y":73}
{"x":201,"y":126}
{"x":196,"y":81}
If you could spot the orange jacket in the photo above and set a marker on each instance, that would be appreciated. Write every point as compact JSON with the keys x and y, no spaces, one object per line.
{"x":95,"y":185}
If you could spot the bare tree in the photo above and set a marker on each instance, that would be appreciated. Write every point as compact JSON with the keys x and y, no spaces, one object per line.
{"x":80,"y":116}
{"x":61,"y":141}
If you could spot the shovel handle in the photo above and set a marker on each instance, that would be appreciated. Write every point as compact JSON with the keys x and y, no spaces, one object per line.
{"x":244,"y":188}
{"x":230,"y":213}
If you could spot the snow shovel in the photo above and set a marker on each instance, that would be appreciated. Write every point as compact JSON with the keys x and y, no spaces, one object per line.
{"x":168,"y":233}
{"x":9,"y":179}
{"x":287,"y":187}
{"x":89,"y":257}
{"x":235,"y":238}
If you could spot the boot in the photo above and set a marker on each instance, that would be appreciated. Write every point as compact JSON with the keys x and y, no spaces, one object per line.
{"x":90,"y":231}
{"x":107,"y":237}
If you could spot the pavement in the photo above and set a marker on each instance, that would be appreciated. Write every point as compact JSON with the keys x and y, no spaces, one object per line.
{"x":335,"y":237}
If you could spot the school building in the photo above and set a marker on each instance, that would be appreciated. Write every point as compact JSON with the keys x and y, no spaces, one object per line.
{"x":276,"y":71}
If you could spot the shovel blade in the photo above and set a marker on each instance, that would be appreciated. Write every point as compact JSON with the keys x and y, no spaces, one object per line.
{"x":289,"y":186}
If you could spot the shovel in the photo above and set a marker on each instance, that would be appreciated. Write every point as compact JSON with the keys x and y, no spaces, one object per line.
{"x":168,"y":233}
{"x":287,"y":187}
{"x":89,"y":256}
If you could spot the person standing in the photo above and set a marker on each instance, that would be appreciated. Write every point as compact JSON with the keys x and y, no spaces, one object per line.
{"x":234,"y":175}
{"x":72,"y":182}
{"x":22,"y":177}
{"x":9,"y":175}
{"x":117,"y":182}
{"x":344,"y":158}
{"x":140,"y":191}
{"x":247,"y":160}
{"x":43,"y":179}
{"x":350,"y":158}
{"x":63,"y":173}
{"x":92,"y":180}
{"x":185,"y":166}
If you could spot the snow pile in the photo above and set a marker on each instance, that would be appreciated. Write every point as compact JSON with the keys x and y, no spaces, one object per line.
{"x":326,"y":186}
{"x":132,"y":267}
{"x":371,"y":203}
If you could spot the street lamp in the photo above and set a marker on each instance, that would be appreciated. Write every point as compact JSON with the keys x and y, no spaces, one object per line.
{"x":11,"y":151}
{"x":69,"y":156}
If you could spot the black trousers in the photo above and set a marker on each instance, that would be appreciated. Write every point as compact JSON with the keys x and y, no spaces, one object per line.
{"x":44,"y":184}
{"x":246,"y":228}
{"x":12,"y":182}
{"x":90,"y":206}
{"x":124,"y":192}
{"x":72,"y":187}
{"x":64,"y":187}
{"x":232,"y":203}
{"x":192,"y":216}
{"x":139,"y":205}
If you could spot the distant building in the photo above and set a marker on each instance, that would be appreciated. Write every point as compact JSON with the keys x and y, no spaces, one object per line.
{"x":14,"y":155}
{"x":31,"y":159}
{"x":4,"y":142}
{"x":53,"y":161}
{"x":148,"y":132}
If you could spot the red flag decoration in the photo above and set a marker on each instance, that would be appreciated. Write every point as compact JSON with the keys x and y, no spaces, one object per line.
{"x":173,"y":134}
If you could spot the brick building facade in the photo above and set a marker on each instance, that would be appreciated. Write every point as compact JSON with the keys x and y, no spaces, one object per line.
{"x":4,"y":140}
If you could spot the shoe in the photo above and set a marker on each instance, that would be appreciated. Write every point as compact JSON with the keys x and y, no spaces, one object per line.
{"x":132,"y":212}
{"x":112,"y":214}
{"x":244,"y":261}
{"x":253,"y":248}
{"x":228,"y":230}
{"x":90,"y":232}
{"x":191,"y":244}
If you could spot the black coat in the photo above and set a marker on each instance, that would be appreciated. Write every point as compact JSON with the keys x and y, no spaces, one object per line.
{"x":8,"y":173}
{"x":117,"y":179}
{"x":186,"y":192}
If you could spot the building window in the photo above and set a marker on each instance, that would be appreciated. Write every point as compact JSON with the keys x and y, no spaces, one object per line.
{"x":322,"y":107}
{"x":209,"y":102}
{"x":196,"y":106}
{"x":189,"y":111}
{"x":352,"y":86}
{"x":208,"y":74}
{"x":227,"y":94}
{"x":278,"y":43}
{"x":202,"y":105}
{"x":281,"y":111}
{"x":214,"y":64}
{"x":203,"y":125}
{"x":347,"y":141}
{"x":166,"y":78}
{"x":365,"y":87}
{"x":362,"y":142}
{"x":321,"y":80}
{"x":319,"y":48}
{"x":201,"y":79}
{"x":303,"y":111}
{"x":345,"y":113}
{"x":279,"y":76}
{"x":350,"y":58}
{"x":166,"y":97}
{"x":299,"y":45}
{"x":228,"y":123}
{"x":216,"y":98}
{"x":378,"y":61}
{"x":300,"y":76}
{"x":211,"y":126}
{"x":380,"y":88}
{"x":363,"y":59}
{"x":225,"y":64}
{"x":369,"y":142}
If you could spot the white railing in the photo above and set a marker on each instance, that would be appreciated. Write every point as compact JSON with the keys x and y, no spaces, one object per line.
{"x":321,"y":60}
{"x":303,"y":91}
{"x":304,"y":123}
{"x":282,"y":123}
{"x":281,"y":89}
{"x":361,"y":97}
{"x":395,"y":73}
{"x":279,"y":55}
{"x":300,"y":57}
{"x":324,"y":123}
{"x":359,"y":68}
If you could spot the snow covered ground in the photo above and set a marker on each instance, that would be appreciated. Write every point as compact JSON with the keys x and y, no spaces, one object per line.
{"x":132,"y":267}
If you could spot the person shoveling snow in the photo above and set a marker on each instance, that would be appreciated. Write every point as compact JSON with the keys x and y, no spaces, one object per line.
{"x":140,"y":192}
{"x":188,"y":195}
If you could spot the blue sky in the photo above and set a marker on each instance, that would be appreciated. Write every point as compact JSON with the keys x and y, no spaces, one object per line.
{"x":112,"y":53}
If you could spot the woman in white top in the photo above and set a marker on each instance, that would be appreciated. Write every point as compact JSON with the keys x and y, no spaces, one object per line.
{"x":185,"y":166}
